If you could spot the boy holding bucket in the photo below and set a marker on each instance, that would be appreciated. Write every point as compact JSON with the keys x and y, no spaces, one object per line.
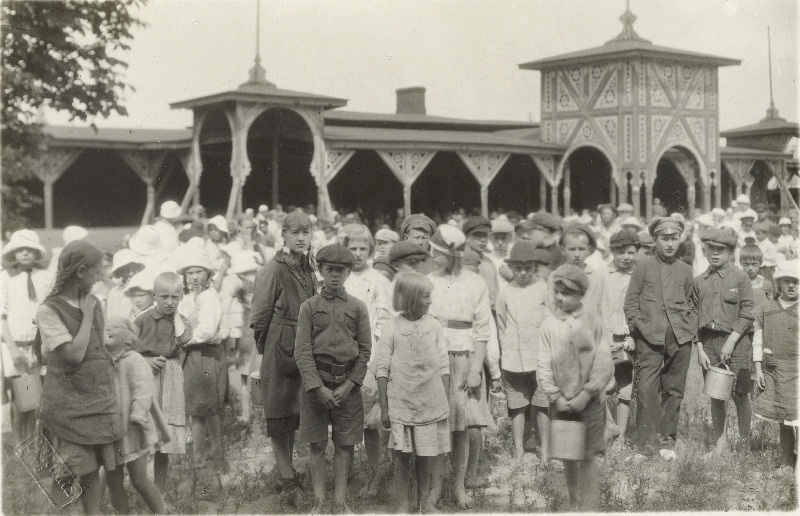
{"x":573,"y":370}
{"x":723,"y":296}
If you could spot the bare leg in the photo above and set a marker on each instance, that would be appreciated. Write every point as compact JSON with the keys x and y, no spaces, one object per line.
{"x":282,"y":448}
{"x":244,"y":397}
{"x":401,"y":462}
{"x":718,"y":415}
{"x":518,"y":431}
{"x":215,"y":433}
{"x":572,"y":474}
{"x":424,"y":467}
{"x":92,"y":492}
{"x":460,"y":454}
{"x":611,"y":426}
{"x":543,"y":427}
{"x":198,"y":438}
{"x":116,"y":490}
{"x":623,"y":413}
{"x":341,"y":463}
{"x":474,"y":457}
{"x":588,"y":484}
{"x":319,"y":472}
{"x":372,"y":444}
{"x":160,"y":470}
{"x":744,"y":414}
{"x":137,"y":469}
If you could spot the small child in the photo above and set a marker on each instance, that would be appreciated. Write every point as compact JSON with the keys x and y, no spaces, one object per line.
{"x":501,"y":236}
{"x":750,"y":258}
{"x":332,"y":349}
{"x":124,"y":265}
{"x":142,"y":422}
{"x":578,"y":242}
{"x":521,"y":308}
{"x":624,"y":246}
{"x":574,"y":368}
{"x":140,"y":291}
{"x":477,"y":230}
{"x":413,"y":372}
{"x":723,"y":298}
{"x":204,"y":370}
{"x":161,"y":333}
{"x":775,"y":350}
{"x":769,"y":248}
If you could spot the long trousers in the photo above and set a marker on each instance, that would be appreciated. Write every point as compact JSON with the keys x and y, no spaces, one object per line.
{"x":659,"y":385}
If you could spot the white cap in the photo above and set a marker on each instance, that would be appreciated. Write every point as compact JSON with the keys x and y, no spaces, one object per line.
{"x":263,"y":208}
{"x":170,"y":210}
{"x":632,"y":221}
{"x":742,"y":199}
{"x":73,"y":233}
{"x":146,"y":241}
{"x":192,"y":255}
{"x":124,"y":257}
{"x":244,"y":261}
{"x":24,"y":238}
{"x":786,"y":269}
{"x":718,"y":212}
{"x":704,"y":220}
{"x":784,"y":221}
{"x":142,"y":280}
{"x":747,"y":214}
{"x":219,"y":222}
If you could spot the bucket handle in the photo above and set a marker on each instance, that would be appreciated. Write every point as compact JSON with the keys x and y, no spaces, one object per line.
{"x":723,"y":364}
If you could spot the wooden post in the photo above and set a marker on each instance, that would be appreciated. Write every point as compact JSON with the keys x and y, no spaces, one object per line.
{"x":275,"y":171}
{"x":485,"y":201}
{"x":151,"y":204}
{"x":707,"y":197}
{"x":48,"y":204}
{"x":690,"y":198}
{"x":554,"y":200}
{"x":567,"y":191}
{"x":542,"y":193}
{"x":613,"y":192}
{"x":406,"y":200}
{"x":636,"y":198}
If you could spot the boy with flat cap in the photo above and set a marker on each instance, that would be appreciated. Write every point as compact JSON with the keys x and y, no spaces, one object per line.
{"x":663,"y":325}
{"x":723,"y":295}
{"x":418,"y":229}
{"x":332,"y":349}
{"x":477,"y":230}
{"x":406,"y":256}
{"x":501,"y":235}
{"x":546,"y":233}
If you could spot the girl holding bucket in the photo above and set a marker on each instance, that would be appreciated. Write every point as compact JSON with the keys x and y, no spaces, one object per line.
{"x":573,"y":370}
{"x":775,"y":353}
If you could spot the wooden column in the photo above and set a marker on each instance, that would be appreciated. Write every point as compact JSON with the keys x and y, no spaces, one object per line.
{"x":567,"y":190}
{"x":485,"y":201}
{"x":48,"y":204}
{"x":484,"y":167}
{"x":50,"y":165}
{"x":613,"y":192}
{"x":690,"y":199}
{"x":542,"y":194}
{"x":275,"y":171}
{"x":636,"y":185}
{"x":554,"y":200}
{"x":406,"y":166}
{"x":146,"y":164}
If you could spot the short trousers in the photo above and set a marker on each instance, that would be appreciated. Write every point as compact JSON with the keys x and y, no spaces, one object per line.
{"x":82,"y":459}
{"x":422,"y":440}
{"x":278,"y":426}
{"x":594,"y":417}
{"x":522,"y":390}
{"x":623,"y":376}
{"x":346,"y":420}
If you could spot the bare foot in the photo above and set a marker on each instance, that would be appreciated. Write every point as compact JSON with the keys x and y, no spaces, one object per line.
{"x":463,"y":500}
{"x":429,"y":508}
{"x":317,"y":508}
{"x":476,"y":482}
{"x":371,"y":486}
{"x":403,"y":507}
{"x":342,"y":509}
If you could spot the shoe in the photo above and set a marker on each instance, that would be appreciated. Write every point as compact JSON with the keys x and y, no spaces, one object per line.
{"x":666,"y":443}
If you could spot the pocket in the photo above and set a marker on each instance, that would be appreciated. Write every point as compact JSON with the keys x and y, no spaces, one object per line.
{"x":649,"y":291}
{"x":350,"y":318}
{"x":730,"y":297}
{"x":321,"y":318}
{"x":284,"y":352}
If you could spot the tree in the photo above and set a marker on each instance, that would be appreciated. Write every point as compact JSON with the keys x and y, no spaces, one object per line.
{"x":61,"y":55}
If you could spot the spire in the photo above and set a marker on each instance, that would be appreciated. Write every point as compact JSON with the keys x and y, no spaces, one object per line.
{"x":258,"y":75}
{"x":772,"y":112}
{"x":628,"y":33}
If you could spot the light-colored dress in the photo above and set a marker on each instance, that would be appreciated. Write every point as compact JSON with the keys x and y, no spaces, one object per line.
{"x":413,"y":356}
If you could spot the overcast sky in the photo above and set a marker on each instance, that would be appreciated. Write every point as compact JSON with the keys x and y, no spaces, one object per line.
{"x":464,"y":52}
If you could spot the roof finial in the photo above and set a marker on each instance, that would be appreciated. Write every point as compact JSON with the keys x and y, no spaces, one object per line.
{"x":258,"y":75}
{"x":628,"y":19}
{"x":772,"y":112}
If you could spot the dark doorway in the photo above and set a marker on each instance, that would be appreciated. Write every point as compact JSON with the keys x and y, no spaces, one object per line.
{"x":215,"y":154}
{"x":444,"y":187}
{"x":171,"y":182}
{"x":590,"y":179}
{"x":516,"y":186}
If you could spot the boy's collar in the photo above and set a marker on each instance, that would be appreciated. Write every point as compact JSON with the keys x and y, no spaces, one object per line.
{"x":613,"y":268}
{"x":722,"y":271}
{"x":561,"y":314}
{"x":341,"y":293}
{"x":156,"y":313}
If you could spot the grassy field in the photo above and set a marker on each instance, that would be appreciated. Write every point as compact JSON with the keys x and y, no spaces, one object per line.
{"x":747,"y":481}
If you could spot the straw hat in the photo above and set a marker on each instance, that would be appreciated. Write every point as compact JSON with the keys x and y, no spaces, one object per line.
{"x":142,"y":280}
{"x":72,"y":233}
{"x":124,"y":257}
{"x":22,"y":239}
{"x":170,"y":210}
{"x":146,"y":241}
{"x":243,"y":262}
{"x":787,"y":269}
{"x":219,"y":222}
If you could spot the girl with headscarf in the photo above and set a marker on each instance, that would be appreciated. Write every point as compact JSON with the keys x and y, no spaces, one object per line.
{"x":460,"y":301}
{"x":79,"y":407}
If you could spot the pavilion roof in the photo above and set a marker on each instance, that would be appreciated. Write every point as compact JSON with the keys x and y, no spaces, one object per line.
{"x":265,"y":93}
{"x":731,"y":152}
{"x":767,"y":126}
{"x":419,"y":121}
{"x":116,"y":138}
{"x":628,"y":44}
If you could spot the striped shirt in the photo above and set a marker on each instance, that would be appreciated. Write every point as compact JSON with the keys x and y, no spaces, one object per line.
{"x":723,"y":299}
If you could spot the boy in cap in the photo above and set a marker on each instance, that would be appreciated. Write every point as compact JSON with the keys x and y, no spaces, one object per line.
{"x":574,"y":367}
{"x":477,"y":230}
{"x":521,"y":308}
{"x":746,"y":223}
{"x":406,"y":256}
{"x":384,"y":240}
{"x":663,"y":325}
{"x":546,"y":234}
{"x":723,"y":298}
{"x":646,"y":246}
{"x":501,"y":236}
{"x":624,"y":246}
{"x":332,"y":349}
{"x":768,"y":248}
{"x":608,"y":223}
{"x":624,"y":211}
{"x":419,"y":229}
{"x":577,"y":243}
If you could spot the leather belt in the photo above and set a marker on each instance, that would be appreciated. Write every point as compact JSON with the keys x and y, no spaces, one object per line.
{"x":284,"y":320}
{"x":457,"y":325}
{"x":618,"y":337}
{"x":333,"y":369}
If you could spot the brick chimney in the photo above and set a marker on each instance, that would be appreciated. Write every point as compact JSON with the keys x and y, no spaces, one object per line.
{"x":411,"y":100}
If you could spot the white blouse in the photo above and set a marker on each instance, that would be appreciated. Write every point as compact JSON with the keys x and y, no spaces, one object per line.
{"x":19,"y":310}
{"x":203,"y":311}
{"x":463,"y":298}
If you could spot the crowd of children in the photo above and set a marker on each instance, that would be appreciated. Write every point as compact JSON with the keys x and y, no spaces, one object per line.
{"x":396,"y":340}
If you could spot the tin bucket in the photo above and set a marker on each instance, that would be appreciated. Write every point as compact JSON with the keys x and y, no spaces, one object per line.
{"x":27,"y":391}
{"x":567,"y":440}
{"x":498,"y":404}
{"x":256,"y":393}
{"x":620,"y":357}
{"x":719,"y":382}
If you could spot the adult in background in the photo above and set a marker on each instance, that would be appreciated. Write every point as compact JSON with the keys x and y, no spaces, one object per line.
{"x":658,"y":208}
{"x":419,"y":229}
{"x":280,"y":287}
